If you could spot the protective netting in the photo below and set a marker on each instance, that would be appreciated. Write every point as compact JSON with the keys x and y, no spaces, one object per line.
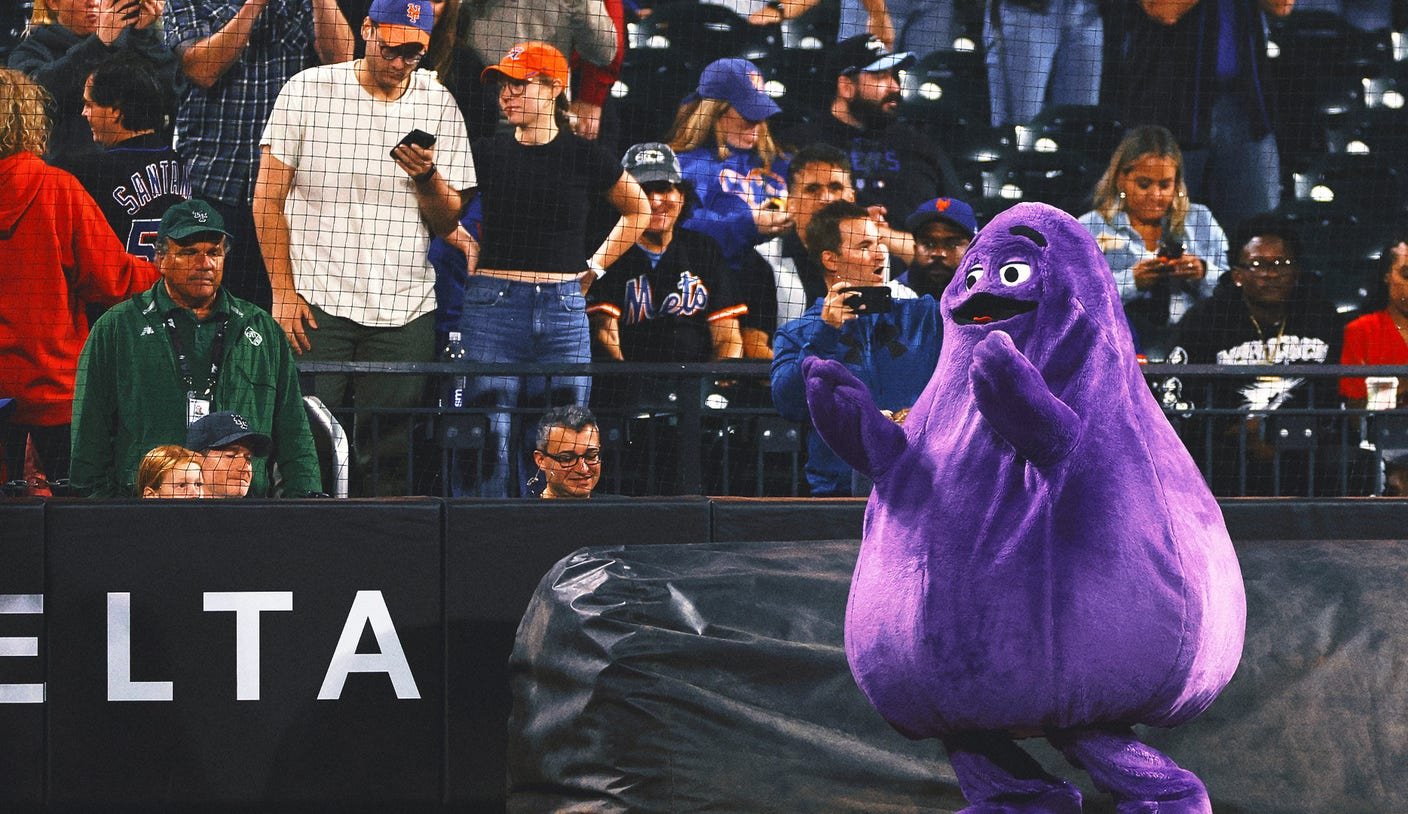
{"x":404,"y":182}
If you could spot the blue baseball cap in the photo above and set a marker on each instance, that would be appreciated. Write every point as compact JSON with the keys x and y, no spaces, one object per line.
{"x":738,"y":82}
{"x":951,"y":210}
{"x":399,"y":22}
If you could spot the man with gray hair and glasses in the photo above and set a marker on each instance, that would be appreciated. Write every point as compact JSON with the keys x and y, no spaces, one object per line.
{"x":568,"y":451}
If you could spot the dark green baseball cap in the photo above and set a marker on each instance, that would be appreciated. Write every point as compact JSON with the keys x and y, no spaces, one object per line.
{"x":189,"y":218}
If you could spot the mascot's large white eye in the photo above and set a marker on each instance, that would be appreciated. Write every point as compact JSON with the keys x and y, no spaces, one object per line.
{"x":974,"y":275}
{"x":1014,"y":273}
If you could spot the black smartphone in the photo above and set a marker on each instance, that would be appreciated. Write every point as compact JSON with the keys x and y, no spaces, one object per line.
{"x":418,"y":137}
{"x":869,"y":299}
{"x":1170,"y":247}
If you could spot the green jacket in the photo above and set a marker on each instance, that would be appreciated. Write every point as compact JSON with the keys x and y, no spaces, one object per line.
{"x":130,"y":396}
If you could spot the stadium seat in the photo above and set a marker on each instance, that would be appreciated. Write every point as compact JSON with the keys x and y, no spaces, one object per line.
{"x":1089,"y":131}
{"x":946,"y":96}
{"x":334,"y":450}
{"x":699,"y":33}
{"x":648,"y":92}
{"x":1339,"y":246}
{"x":796,"y":79}
{"x":777,"y":436}
{"x":1370,"y":186}
{"x":1062,"y":179}
{"x":1378,"y":129}
{"x":1320,"y":62}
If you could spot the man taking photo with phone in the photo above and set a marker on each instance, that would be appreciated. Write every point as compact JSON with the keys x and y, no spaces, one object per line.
{"x":892,"y":346}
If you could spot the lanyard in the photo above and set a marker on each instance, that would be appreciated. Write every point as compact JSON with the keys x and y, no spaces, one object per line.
{"x":183,"y":362}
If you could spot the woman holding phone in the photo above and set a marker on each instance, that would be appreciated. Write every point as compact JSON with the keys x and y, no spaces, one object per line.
{"x":529,"y":270}
{"x":1166,"y":252}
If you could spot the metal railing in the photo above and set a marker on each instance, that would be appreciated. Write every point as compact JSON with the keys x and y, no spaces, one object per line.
{"x":710,"y":428}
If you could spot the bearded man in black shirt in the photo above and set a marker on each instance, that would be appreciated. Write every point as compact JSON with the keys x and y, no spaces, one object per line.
{"x":893,"y":164}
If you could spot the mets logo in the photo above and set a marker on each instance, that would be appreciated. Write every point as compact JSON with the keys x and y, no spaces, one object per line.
{"x":755,"y":188}
{"x":255,"y":338}
{"x":413,"y":12}
{"x":690,"y":297}
{"x":757,"y":80}
{"x":942,"y":204}
{"x":201,"y":217}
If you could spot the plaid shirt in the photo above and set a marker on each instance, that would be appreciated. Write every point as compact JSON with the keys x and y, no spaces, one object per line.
{"x":217,"y":130}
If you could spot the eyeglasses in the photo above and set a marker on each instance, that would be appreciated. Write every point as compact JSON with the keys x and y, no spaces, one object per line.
{"x":410,"y":54}
{"x":567,"y":460}
{"x":1267,"y":268}
{"x":516,"y":87}
{"x":951,"y":244}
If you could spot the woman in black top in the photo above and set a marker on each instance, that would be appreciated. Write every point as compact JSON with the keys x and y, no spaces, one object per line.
{"x":529,"y":271}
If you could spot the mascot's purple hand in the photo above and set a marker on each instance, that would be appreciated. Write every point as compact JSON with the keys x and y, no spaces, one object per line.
{"x":845,"y":415}
{"x":1014,"y":399}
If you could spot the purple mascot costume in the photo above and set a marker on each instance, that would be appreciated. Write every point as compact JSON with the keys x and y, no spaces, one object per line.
{"x":1041,"y":556}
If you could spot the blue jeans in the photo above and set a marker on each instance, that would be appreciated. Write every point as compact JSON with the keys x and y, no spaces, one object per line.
{"x":1037,"y":59}
{"x":1235,"y":175}
{"x":921,"y":26}
{"x":520,"y":323}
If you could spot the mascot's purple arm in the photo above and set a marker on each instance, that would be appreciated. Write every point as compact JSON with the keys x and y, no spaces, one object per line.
{"x":1040,"y":553}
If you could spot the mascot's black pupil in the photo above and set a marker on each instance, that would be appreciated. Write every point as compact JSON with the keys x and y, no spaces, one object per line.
{"x":971,"y":279}
{"x":1010,"y":274}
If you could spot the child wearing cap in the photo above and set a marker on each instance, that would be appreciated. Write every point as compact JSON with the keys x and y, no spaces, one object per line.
{"x":728,"y":156}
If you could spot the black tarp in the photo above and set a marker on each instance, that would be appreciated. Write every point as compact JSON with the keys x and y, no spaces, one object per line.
{"x":711,"y":678}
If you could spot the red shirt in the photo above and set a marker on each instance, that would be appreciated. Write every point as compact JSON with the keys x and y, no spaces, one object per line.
{"x":57,"y":254}
{"x":1372,"y":339}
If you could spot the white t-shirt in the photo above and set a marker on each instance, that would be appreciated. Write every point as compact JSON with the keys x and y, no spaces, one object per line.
{"x":358,"y":244}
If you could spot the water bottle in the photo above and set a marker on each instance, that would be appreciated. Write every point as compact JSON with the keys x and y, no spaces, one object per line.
{"x":454,"y":352}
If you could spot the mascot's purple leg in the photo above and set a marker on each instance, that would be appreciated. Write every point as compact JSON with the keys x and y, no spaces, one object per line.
{"x":997,"y":777}
{"x":1140,"y":778}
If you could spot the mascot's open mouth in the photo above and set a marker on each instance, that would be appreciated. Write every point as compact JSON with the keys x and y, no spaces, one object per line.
{"x":982,"y":308}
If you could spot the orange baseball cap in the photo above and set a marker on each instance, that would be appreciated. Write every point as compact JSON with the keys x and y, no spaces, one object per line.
{"x":529,"y":59}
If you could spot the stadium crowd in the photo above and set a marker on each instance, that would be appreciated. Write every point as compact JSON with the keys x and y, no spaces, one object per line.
{"x":198,"y":196}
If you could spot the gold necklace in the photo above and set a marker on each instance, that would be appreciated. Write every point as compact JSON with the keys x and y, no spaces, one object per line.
{"x":1267,"y":344}
{"x":1402,"y":331}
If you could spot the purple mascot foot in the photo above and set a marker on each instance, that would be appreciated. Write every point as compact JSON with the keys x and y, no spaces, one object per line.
{"x":1142,"y":779}
{"x":998,"y":777}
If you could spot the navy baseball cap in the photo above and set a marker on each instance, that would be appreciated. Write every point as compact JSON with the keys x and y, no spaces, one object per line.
{"x":738,"y":82}
{"x":224,"y":428}
{"x":652,"y":161}
{"x":865,"y":53}
{"x":951,"y":210}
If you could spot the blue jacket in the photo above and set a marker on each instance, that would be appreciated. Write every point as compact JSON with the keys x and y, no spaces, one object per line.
{"x":729,"y":190}
{"x":893,"y":354}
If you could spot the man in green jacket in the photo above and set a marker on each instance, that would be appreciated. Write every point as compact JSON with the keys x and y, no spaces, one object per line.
{"x":156,"y":363}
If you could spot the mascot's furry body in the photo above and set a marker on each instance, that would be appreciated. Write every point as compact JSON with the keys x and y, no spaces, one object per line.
{"x":1041,"y":555}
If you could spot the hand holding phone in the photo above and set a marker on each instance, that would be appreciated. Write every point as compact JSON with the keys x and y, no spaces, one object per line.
{"x":869,"y":299}
{"x":418,"y":137}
